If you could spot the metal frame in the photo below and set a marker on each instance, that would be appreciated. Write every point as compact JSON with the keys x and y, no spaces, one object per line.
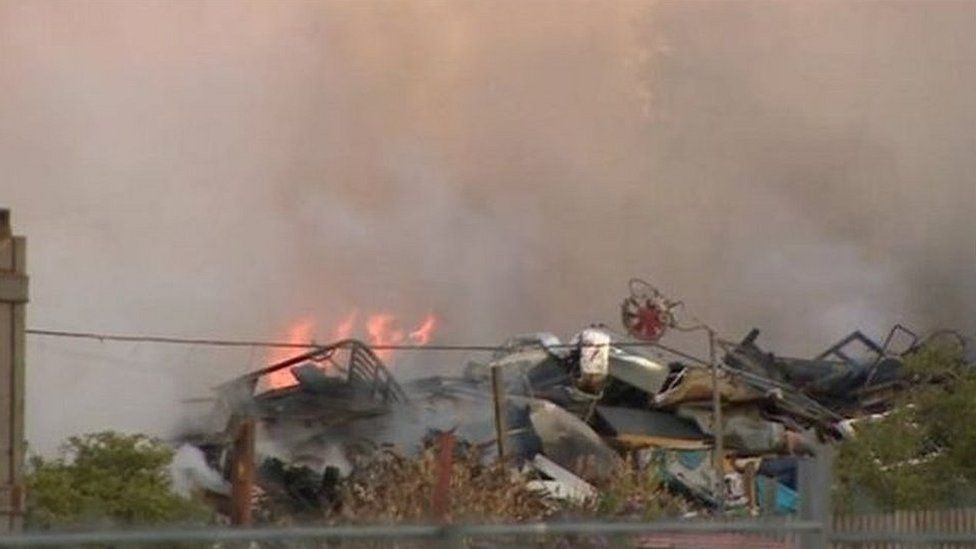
{"x":363,"y":368}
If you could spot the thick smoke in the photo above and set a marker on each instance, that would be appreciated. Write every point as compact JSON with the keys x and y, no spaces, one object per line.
{"x":220,"y":169}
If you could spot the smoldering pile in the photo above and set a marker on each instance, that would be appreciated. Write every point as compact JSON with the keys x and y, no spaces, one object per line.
{"x":581,"y":424}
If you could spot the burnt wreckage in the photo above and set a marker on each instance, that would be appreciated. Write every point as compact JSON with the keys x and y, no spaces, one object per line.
{"x":573,"y":410}
{"x":336,"y":384}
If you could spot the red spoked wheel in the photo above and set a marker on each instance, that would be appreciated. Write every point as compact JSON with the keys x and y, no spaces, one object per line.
{"x":646,"y":314}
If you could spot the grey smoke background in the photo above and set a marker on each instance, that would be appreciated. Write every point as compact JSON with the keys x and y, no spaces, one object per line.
{"x":223,"y":168}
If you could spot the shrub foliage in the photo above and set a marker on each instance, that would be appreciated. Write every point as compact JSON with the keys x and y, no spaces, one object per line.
{"x":106,"y":479}
{"x":921,"y":454}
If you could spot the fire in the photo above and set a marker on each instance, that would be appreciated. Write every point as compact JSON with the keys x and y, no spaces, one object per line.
{"x":345,"y":328}
{"x":299,"y":332}
{"x":422,"y":335}
{"x":382,"y":329}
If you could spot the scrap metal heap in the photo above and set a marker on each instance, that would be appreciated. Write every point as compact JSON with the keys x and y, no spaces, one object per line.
{"x":574,"y":411}
{"x":336,"y":383}
{"x":774,"y":409}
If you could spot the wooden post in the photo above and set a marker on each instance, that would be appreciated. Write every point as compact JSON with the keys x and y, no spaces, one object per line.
{"x":501,"y":411}
{"x":440,"y":499}
{"x":242,"y":473}
{"x":13,"y":300}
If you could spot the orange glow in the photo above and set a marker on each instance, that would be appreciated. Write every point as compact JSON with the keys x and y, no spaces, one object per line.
{"x":422,"y":335}
{"x":299,"y":332}
{"x":384,"y":329}
{"x":381,"y":329}
{"x":345,"y":328}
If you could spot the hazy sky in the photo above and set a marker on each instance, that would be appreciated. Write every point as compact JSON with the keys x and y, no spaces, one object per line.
{"x":224,"y":168}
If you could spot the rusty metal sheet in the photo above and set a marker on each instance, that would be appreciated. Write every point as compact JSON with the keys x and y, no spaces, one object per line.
{"x":695,"y":385}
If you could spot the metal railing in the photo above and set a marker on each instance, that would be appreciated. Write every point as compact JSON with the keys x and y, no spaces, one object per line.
{"x":446,"y":534}
{"x":675,"y":534}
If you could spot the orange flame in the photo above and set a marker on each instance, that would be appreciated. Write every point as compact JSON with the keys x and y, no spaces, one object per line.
{"x":382,"y":329}
{"x":299,"y":332}
{"x":422,"y":335}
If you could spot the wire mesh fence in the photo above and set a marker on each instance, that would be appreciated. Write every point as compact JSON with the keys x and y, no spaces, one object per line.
{"x":943,"y":528}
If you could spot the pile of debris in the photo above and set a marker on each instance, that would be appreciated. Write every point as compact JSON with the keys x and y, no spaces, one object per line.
{"x":571,"y":416}
{"x":591,"y":400}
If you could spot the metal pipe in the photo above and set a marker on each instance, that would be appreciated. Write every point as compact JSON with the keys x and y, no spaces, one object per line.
{"x":718,"y":451}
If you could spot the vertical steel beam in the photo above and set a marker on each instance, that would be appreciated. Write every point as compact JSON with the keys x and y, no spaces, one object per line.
{"x":13,"y":300}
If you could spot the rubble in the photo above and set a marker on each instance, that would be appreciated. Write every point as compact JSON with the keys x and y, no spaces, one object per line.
{"x":635,"y":428}
{"x":570,"y":442}
{"x":577,"y":414}
{"x":564,"y":484}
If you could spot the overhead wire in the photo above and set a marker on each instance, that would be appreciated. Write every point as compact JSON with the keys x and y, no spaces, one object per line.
{"x":312,"y":345}
{"x":244,"y":343}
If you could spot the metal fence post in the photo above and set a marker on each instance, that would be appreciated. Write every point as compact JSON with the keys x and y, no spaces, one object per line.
{"x":501,"y":419}
{"x":718,"y":431}
{"x":815,"y":483}
{"x":825,"y":473}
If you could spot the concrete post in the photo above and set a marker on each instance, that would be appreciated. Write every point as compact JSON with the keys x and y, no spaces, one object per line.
{"x":13,"y":300}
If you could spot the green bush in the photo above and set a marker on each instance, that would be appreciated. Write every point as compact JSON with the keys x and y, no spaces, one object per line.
{"x":920,"y":455}
{"x":106,"y":479}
